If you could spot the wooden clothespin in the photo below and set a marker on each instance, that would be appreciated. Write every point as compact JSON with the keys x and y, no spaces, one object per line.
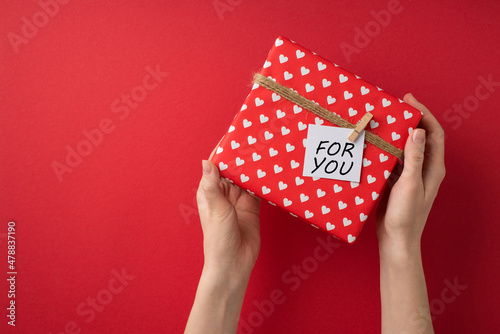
{"x":360,"y":126}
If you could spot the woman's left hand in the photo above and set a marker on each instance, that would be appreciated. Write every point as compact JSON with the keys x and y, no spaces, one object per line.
{"x":230,"y":222}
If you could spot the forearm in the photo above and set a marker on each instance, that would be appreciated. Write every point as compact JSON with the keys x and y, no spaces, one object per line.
{"x":405,"y":305}
{"x":217,"y":304}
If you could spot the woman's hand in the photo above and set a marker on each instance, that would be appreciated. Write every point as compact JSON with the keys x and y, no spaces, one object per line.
{"x":231,"y":243}
{"x":403,"y":212}
{"x":401,"y":219}
{"x":230,"y":222}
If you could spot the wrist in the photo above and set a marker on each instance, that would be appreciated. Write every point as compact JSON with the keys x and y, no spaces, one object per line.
{"x":231,"y":271}
{"x":399,"y":251}
{"x":225,"y":281}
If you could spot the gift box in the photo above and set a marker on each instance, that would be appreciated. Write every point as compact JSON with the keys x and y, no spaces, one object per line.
{"x":264,"y":148}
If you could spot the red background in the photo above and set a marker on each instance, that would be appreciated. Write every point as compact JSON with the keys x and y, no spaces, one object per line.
{"x":131,"y":203}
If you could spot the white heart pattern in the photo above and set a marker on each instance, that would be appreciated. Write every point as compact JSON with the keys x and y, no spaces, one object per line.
{"x":279,"y":174}
{"x":234,"y":144}
{"x":239,"y":161}
{"x":222,"y":166}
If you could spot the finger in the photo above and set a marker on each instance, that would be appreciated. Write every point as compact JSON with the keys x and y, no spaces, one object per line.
{"x":211,"y":188}
{"x":434,"y":169}
{"x":435,"y":133}
{"x":414,"y":157}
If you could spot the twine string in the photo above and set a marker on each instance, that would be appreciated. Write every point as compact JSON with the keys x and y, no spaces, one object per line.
{"x":303,"y":102}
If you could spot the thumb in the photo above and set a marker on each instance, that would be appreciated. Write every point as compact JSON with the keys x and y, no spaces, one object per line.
{"x":210,"y":186}
{"x":414,"y":155}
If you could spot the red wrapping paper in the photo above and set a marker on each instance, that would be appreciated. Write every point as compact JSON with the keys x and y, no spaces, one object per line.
{"x":263,"y":149}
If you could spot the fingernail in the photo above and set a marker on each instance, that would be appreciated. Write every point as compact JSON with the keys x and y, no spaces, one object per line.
{"x":207,"y":169}
{"x":418,"y":136}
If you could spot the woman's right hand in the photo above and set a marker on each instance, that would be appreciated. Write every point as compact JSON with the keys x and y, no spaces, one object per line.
{"x":403,"y":212}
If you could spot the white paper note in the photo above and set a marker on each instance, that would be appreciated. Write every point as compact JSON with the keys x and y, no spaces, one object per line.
{"x":330,"y":155}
